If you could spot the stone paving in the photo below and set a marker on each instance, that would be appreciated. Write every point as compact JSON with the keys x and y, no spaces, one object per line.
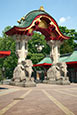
{"x":41,"y":100}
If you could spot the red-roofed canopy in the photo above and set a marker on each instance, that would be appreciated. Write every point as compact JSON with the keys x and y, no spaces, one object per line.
{"x":4,"y":53}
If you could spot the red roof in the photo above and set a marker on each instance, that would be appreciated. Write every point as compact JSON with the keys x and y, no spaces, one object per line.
{"x":4,"y":53}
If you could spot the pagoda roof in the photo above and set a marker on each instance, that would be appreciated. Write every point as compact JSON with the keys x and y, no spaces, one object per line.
{"x":72,"y":58}
{"x":69,"y":59}
{"x":38,"y":20}
{"x":4,"y":53}
{"x":46,"y":60}
{"x":30,"y":17}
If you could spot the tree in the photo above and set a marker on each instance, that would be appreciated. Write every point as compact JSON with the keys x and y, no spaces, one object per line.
{"x":9,"y":63}
{"x":71,"y":43}
{"x":34,"y":55}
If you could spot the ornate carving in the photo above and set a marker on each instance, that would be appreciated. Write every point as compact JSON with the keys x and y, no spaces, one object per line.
{"x":54,"y":53}
{"x":58,"y":71}
{"x":21,"y":54}
{"x":19,"y":73}
{"x":28,"y":68}
{"x":22,"y":74}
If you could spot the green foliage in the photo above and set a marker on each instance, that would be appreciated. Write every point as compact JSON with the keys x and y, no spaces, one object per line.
{"x":1,"y":77}
{"x":33,"y":52}
{"x":9,"y":63}
{"x":35,"y":57}
{"x":38,"y":38}
{"x":70,"y":44}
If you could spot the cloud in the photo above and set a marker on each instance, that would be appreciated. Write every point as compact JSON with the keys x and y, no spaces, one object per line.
{"x":64,"y":19}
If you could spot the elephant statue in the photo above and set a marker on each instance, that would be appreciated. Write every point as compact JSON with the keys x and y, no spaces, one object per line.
{"x":28,"y":68}
{"x":19,"y":73}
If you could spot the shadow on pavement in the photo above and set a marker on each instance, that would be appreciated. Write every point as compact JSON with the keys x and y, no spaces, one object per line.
{"x":3,"y":88}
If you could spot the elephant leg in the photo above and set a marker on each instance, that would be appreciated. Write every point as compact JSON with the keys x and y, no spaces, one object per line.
{"x":29,"y":76}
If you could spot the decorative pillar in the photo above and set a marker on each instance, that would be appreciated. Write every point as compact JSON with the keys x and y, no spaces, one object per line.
{"x":54,"y":53}
{"x":23,"y":44}
{"x":17,"y":44}
{"x":21,"y":47}
{"x":57,"y":73}
{"x":22,"y":73}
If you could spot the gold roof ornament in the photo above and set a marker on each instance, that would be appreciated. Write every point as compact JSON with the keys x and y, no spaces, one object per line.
{"x":42,"y":8}
{"x":23,"y":18}
{"x":19,"y":21}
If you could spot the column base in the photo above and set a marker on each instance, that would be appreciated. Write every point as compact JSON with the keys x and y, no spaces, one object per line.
{"x":52,"y":81}
{"x":20,"y":84}
{"x":63,"y":82}
{"x":45,"y":81}
{"x":23,"y":84}
{"x":57,"y":82}
{"x":30,"y":84}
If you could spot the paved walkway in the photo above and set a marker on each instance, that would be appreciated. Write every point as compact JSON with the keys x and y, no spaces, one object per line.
{"x":41,"y":100}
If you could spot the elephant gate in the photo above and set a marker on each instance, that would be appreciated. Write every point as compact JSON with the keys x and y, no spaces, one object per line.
{"x":38,"y":20}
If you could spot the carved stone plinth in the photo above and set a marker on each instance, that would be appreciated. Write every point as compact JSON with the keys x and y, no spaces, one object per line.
{"x":45,"y":81}
{"x":63,"y":82}
{"x":21,"y":84}
{"x":30,"y":84}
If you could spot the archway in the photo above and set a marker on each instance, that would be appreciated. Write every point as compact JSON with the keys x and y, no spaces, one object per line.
{"x":38,"y":20}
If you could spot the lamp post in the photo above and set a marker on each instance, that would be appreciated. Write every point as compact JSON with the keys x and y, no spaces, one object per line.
{"x":39,"y":47}
{"x":3,"y":71}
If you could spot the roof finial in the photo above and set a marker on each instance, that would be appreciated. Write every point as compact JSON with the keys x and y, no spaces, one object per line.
{"x":19,"y":21}
{"x":23,"y":18}
{"x":41,"y":8}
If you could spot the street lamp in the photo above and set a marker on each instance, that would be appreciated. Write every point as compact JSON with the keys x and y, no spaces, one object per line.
{"x":3,"y":71}
{"x":39,"y":47}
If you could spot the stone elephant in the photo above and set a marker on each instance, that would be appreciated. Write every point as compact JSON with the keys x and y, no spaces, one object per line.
{"x":19,"y":73}
{"x":28,"y":68}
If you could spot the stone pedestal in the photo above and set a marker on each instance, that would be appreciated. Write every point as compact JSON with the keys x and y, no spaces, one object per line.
{"x":45,"y":81}
{"x":23,"y":83}
{"x":30,"y":84}
{"x":63,"y":82}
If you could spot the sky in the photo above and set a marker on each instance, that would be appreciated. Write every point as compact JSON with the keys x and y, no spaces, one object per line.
{"x":63,"y":11}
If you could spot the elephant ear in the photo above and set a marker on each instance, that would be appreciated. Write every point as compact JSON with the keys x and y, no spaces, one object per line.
{"x":31,"y":64}
{"x":28,"y":63}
